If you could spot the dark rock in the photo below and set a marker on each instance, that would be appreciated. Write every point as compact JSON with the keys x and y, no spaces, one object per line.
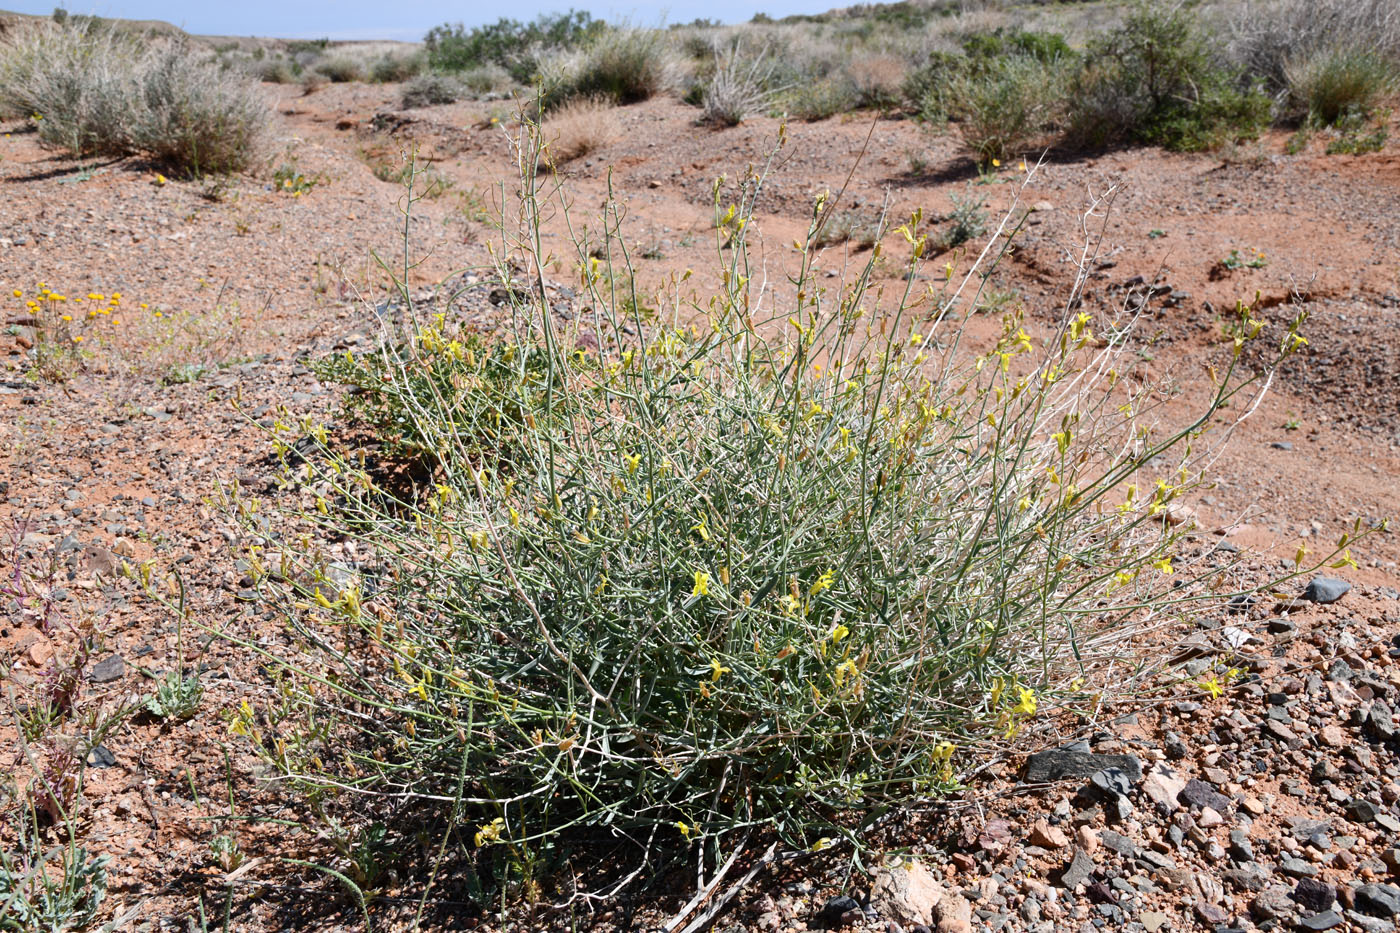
{"x":1361,"y":810}
{"x":1248,"y":877}
{"x":1380,"y":722}
{"x":1378,"y":900}
{"x":1297,"y":868}
{"x":1314,"y":895}
{"x":1321,"y":921}
{"x":1210,"y":914}
{"x":1240,"y":846}
{"x":1078,"y":870}
{"x":101,"y":757}
{"x":1059,"y":765}
{"x":1326,"y":590}
{"x":835,"y":909}
{"x":1111,"y":783}
{"x":1119,"y":843}
{"x":1278,"y":626}
{"x":1273,"y":903}
{"x":1198,"y":793}
{"x":107,"y":670}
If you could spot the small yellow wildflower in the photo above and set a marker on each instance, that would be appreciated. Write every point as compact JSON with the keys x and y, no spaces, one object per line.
{"x":702,"y":585}
{"x":1026,"y":705}
{"x":1164,"y":565}
{"x":1212,"y":686}
{"x":491,"y":832}
{"x":717,"y":670}
{"x":823,"y":582}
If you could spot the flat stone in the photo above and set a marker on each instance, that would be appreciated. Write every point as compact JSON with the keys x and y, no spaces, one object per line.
{"x":906,"y":892}
{"x":1153,"y":920}
{"x":1325,"y":590}
{"x":1297,"y":868}
{"x":1119,"y":843}
{"x":1060,"y":764}
{"x":1081,"y":866}
{"x":1325,"y":920}
{"x":1378,"y":900}
{"x":107,"y":670}
{"x":1046,"y":836}
{"x":1198,"y":793}
{"x":1163,"y":787}
{"x":1333,"y":736}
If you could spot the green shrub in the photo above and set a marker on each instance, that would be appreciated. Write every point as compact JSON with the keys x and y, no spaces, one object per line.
{"x":485,"y":79}
{"x":737,"y":87}
{"x":1156,"y":80}
{"x":276,"y":71}
{"x":392,"y":69}
{"x":985,"y":48}
{"x":1325,"y":88}
{"x":677,"y":582}
{"x":1003,"y":112}
{"x":97,"y":92}
{"x":341,"y":69}
{"x":508,"y":43}
{"x":430,"y":90}
{"x":818,"y":99}
{"x":621,"y":65}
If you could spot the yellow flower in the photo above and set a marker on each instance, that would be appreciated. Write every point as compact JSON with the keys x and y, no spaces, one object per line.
{"x":19,"y":294}
{"x":1212,"y":686}
{"x":1026,"y":705}
{"x":839,"y":633}
{"x":823,"y":582}
{"x":633,"y":461}
{"x":688,"y":830}
{"x":996,"y":163}
{"x":491,"y":832}
{"x":717,"y":670}
{"x":702,"y":584}
{"x":1164,"y":565}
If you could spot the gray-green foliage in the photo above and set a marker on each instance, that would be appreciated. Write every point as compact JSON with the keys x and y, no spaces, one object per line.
{"x":683,"y":581}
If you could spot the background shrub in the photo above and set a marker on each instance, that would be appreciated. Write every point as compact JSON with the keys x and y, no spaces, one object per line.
{"x":340,"y":69}
{"x":507,"y":43}
{"x":737,"y":88}
{"x":392,"y":69}
{"x":579,"y":128}
{"x":1156,"y":79}
{"x":104,"y":93}
{"x":1326,"y":87}
{"x":430,"y":90}
{"x":1005,"y":111}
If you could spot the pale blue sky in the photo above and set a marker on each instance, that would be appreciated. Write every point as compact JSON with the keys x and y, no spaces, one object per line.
{"x":397,"y":19}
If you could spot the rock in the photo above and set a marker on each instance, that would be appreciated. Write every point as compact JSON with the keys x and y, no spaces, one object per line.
{"x":835,"y":909}
{"x":107,"y":670}
{"x":1325,"y":920}
{"x":101,"y":757}
{"x":1333,"y":736}
{"x":1249,"y":877}
{"x":1378,"y":900}
{"x":1314,"y":895}
{"x":906,"y":892}
{"x":953,"y":915}
{"x":1153,"y":920}
{"x":1297,"y":868}
{"x":1240,"y":845}
{"x":1280,"y":626}
{"x":995,"y":836}
{"x":1361,"y":810}
{"x":1272,"y":903}
{"x":1119,"y":843}
{"x":1087,"y":838}
{"x":1380,"y":722}
{"x":1198,"y":793}
{"x":1209,"y":818}
{"x":1046,"y":836}
{"x":1324,"y":590}
{"x":1391,"y":857}
{"x":1111,"y":783}
{"x":1163,"y":787}
{"x":1062,"y":764}
{"x":1211,"y":914}
{"x":1081,"y":866}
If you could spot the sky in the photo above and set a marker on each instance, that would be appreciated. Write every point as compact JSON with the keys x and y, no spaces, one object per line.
{"x":398,"y":19}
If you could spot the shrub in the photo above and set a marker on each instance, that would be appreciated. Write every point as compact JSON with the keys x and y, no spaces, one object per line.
{"x":622,"y":65}
{"x":486,"y":79}
{"x":819,"y":99}
{"x":678,"y":583}
{"x":1156,"y":80}
{"x":392,"y":69}
{"x":341,"y":69}
{"x":737,"y":88}
{"x":508,"y":43}
{"x":877,"y":80}
{"x":580,"y":127}
{"x":1325,"y":88}
{"x":1003,"y":112}
{"x":1269,"y":36}
{"x":275,"y":71}
{"x":430,"y":90}
{"x":100,"y":93}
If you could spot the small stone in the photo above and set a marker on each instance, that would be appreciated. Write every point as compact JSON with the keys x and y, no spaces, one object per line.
{"x":1153,"y":920}
{"x":1119,"y":843}
{"x":1272,"y":903}
{"x":1324,"y":590}
{"x":1314,"y":895}
{"x":1111,"y":783}
{"x":101,"y":757}
{"x":107,"y":670}
{"x":1333,"y":736}
{"x":1361,"y":810}
{"x":836,"y":908}
{"x":1240,"y":845}
{"x":1297,"y":868}
{"x":1378,"y":900}
{"x":1163,"y":787}
{"x":1046,"y":836}
{"x":1248,"y":877}
{"x":1325,"y":920}
{"x":1281,"y":626}
{"x":1198,"y":793}
{"x":1209,"y":818}
{"x":953,"y":915}
{"x":1079,"y":870}
{"x":906,"y":892}
{"x":1210,"y":914}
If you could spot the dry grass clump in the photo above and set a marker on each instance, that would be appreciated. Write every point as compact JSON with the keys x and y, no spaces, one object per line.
{"x":95,"y":91}
{"x":1336,"y":83}
{"x":738,"y":87}
{"x":429,"y":90}
{"x":579,"y":128}
{"x":878,"y":80}
{"x":1270,"y":37}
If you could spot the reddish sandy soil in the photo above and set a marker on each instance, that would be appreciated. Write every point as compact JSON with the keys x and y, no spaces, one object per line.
{"x":119,"y":462}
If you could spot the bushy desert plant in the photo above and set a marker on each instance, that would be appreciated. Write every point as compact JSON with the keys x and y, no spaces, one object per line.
{"x":737,"y":88}
{"x":877,"y":80}
{"x":392,"y":69}
{"x":93,"y":91}
{"x":340,"y":69}
{"x":1269,"y":37}
{"x":1156,"y":79}
{"x":508,"y":43}
{"x":430,"y":90}
{"x":818,"y":99}
{"x":580,"y":127}
{"x":1004,"y":112}
{"x":624,"y":65}
{"x":1326,"y":87}
{"x":746,"y":567}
